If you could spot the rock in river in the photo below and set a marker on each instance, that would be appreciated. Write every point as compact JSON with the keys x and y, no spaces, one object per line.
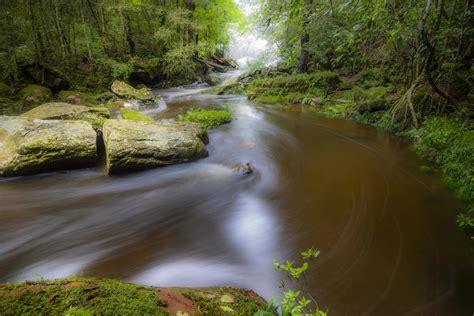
{"x":133,"y":146}
{"x":64,"y":111}
{"x":124,"y":90}
{"x":29,"y":146}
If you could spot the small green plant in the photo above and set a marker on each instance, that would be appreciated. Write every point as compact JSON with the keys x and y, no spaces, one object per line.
{"x":207,"y":118}
{"x":294,"y":303}
{"x":132,"y":115}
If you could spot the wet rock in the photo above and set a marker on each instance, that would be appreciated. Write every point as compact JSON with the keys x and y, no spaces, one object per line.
{"x":213,"y":79}
{"x":29,"y":146}
{"x":126,"y":91}
{"x":244,"y":169}
{"x":64,"y":111}
{"x":132,"y":146}
{"x":35,"y":94}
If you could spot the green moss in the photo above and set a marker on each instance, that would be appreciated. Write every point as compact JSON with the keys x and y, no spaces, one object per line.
{"x":231,"y":88}
{"x":227,"y":301}
{"x":303,"y":83}
{"x":207,"y":118}
{"x":81,"y":296}
{"x":136,"y":116}
{"x":35,"y":94}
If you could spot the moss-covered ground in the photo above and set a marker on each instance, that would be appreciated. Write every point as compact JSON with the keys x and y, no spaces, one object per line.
{"x":85,"y":296}
{"x":206,"y":117}
{"x":132,"y":115}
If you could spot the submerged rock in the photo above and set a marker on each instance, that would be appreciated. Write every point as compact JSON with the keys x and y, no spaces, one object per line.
{"x":64,"y":111}
{"x":124,"y":90}
{"x":29,"y":146}
{"x":244,"y":169}
{"x":133,"y":146}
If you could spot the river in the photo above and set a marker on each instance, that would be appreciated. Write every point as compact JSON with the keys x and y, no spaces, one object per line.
{"x":387,"y":234}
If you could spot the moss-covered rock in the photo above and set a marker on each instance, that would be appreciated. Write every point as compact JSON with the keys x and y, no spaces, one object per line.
{"x":206,"y":117}
{"x":29,"y":146}
{"x":75,"y":97}
{"x":136,"y":116}
{"x":64,"y":111}
{"x":82,"y":296}
{"x":35,"y":94}
{"x":124,"y":90}
{"x":132,"y":146}
{"x":213,"y":79}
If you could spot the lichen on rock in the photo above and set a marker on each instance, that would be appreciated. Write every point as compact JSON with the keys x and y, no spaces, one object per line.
{"x":64,"y":111}
{"x":133,"y":146}
{"x":124,"y":90}
{"x":29,"y":146}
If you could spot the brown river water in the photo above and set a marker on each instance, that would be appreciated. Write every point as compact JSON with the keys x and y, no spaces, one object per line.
{"x":387,"y":234}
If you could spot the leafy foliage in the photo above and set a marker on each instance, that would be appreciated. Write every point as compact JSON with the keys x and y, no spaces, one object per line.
{"x":450,"y":144}
{"x":293,"y":302}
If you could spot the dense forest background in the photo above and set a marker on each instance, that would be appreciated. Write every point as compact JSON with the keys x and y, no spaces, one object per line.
{"x":91,"y":42}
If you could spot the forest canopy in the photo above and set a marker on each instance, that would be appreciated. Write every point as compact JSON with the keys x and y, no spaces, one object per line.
{"x":95,"y":41}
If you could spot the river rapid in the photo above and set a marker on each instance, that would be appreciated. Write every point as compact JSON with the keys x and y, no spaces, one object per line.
{"x":387,"y":234}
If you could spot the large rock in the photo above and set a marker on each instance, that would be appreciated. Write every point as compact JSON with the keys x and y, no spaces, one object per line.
{"x":35,"y":94}
{"x":64,"y":111}
{"x":126,"y":91}
{"x":133,"y":146}
{"x":29,"y":146}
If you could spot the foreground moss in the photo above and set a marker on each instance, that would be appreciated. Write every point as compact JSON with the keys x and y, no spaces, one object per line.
{"x":136,"y":116}
{"x":207,"y":118}
{"x":85,"y":296}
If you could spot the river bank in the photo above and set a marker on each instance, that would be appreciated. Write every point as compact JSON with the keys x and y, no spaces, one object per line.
{"x":86,"y":296}
{"x":444,"y":139}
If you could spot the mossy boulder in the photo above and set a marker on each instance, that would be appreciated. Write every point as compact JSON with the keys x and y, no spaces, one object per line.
{"x":29,"y":146}
{"x":35,"y":94}
{"x":206,"y":117}
{"x":132,"y":146}
{"x":64,"y":111}
{"x":371,"y":100}
{"x":81,"y":296}
{"x":124,"y":90}
{"x":136,"y":116}
{"x":213,"y":79}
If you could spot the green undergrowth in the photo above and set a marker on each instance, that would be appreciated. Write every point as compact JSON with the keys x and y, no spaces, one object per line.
{"x":136,"y":116}
{"x":87,"y":296}
{"x":292,"y":88}
{"x":207,"y":118}
{"x":450,"y":144}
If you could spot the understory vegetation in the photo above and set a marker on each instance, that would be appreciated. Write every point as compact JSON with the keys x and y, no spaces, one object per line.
{"x":88,"y":43}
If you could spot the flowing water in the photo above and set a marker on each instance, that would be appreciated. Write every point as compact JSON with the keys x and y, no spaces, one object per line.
{"x":387,"y":234}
